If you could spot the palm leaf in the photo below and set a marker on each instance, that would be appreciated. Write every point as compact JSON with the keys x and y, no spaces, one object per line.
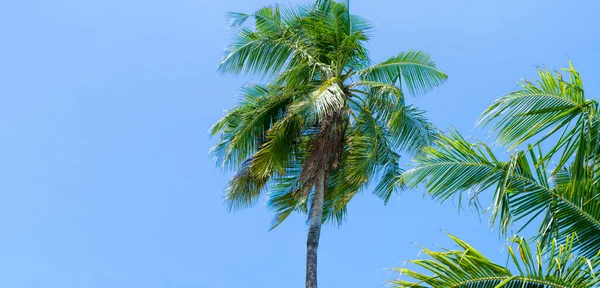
{"x":525,"y":187}
{"x":242,"y":131}
{"x":546,"y":105}
{"x":410,"y":129}
{"x":453,"y":165}
{"x":254,"y":53}
{"x":415,"y":68}
{"x":244,"y":188}
{"x":467,"y":268}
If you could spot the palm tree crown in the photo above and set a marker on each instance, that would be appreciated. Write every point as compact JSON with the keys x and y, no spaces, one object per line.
{"x":328,"y":120}
{"x":326,"y":108}
{"x":554,"y":179}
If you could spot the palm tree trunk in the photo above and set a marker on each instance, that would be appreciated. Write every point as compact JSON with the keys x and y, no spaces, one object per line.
{"x":312,"y":242}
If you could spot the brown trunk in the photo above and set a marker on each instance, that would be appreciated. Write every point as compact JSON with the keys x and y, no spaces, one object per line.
{"x":312,"y":242}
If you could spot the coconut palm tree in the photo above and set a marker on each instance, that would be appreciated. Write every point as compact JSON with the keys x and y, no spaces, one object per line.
{"x":555,"y":178}
{"x":327,"y":122}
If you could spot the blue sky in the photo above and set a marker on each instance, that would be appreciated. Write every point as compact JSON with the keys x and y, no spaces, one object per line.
{"x":106,"y":179}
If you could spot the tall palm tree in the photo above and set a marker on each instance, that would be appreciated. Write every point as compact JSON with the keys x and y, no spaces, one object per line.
{"x":555,"y":179}
{"x":326,"y":123}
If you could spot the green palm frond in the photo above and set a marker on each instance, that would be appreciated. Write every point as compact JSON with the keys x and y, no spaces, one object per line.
{"x":274,"y":154}
{"x":522,"y":191}
{"x":286,"y":195}
{"x":243,"y":129}
{"x":268,"y":48}
{"x":390,"y":182}
{"x":574,"y":208}
{"x":415,"y":69}
{"x":361,"y":24}
{"x":555,"y":182}
{"x":548,"y":105}
{"x":256,"y":54}
{"x":237,"y":19}
{"x":244,"y":188}
{"x":378,"y":157}
{"x":453,"y":165}
{"x":338,"y":194}
{"x":467,"y":267}
{"x":410,"y":129}
{"x":381,"y":99}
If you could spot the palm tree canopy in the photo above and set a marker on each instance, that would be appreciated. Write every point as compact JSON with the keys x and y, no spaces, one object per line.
{"x":526,"y":185}
{"x":326,"y":107}
{"x":555,"y":179}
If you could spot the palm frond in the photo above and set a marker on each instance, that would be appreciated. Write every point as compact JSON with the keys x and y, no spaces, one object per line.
{"x":244,"y":188}
{"x":453,"y":165}
{"x":373,"y":154}
{"x":415,"y":69}
{"x":286,"y":195}
{"x":338,"y":195}
{"x":559,"y":186}
{"x":546,"y":105}
{"x":467,"y":267}
{"x":242,"y":130}
{"x":361,"y":24}
{"x":574,"y":208}
{"x":274,"y":155}
{"x":237,"y":19}
{"x":390,"y":182}
{"x":254,"y":53}
{"x":410,"y":130}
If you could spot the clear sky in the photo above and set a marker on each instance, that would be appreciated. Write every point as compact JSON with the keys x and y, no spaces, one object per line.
{"x":105,"y":107}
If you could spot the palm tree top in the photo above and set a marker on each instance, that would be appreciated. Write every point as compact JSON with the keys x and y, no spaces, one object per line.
{"x":325,"y":106}
{"x":553,"y":181}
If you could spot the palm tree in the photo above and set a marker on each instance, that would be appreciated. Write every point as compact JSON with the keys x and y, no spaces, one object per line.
{"x":528,"y":186}
{"x":326,"y":123}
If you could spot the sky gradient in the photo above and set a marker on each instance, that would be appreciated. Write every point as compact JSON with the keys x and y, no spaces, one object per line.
{"x":106,"y":178}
